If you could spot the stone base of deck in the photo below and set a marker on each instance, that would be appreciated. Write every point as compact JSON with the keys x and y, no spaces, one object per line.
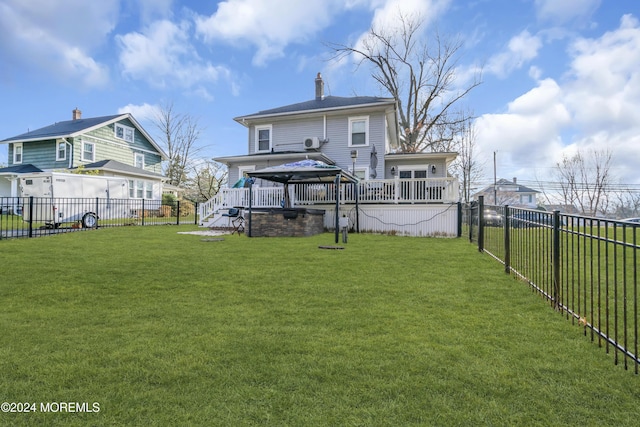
{"x":293,"y":222}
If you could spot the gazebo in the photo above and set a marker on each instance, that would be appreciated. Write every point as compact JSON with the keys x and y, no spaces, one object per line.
{"x":306,"y":172}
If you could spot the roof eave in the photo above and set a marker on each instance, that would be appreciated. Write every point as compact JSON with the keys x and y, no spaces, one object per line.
{"x":242,"y":119}
{"x":275,"y":156}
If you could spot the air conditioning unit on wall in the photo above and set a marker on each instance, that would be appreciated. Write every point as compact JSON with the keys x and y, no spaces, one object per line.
{"x":311,"y":143}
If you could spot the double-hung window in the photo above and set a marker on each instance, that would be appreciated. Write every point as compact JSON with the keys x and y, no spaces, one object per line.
{"x":88,"y":151}
{"x":124,"y":132}
{"x":17,"y":153}
{"x":61,"y":151}
{"x":138,"y":159}
{"x":358,"y":131}
{"x":263,"y":138}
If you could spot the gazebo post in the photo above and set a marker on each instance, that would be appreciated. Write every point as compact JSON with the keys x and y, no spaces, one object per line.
{"x":337,"y":185}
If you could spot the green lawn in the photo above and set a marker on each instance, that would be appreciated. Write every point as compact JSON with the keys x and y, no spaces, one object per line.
{"x":161,"y":328}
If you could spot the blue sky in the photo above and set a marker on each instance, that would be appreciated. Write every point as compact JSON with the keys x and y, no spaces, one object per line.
{"x":558,"y":76}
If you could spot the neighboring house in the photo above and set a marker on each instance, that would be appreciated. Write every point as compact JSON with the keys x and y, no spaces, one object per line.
{"x":510,"y":193}
{"x":111,"y":146}
{"x":358,"y":134}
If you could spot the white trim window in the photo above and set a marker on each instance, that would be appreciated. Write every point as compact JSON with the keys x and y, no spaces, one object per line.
{"x":123,"y":132}
{"x":17,"y":153}
{"x":61,"y":151}
{"x":140,"y":189}
{"x":263,"y":138}
{"x":361,"y":173}
{"x":138,"y":160}
{"x":88,"y":151}
{"x":359,"y":131}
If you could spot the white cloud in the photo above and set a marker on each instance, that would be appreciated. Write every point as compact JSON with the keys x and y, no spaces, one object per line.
{"x":593,"y":107}
{"x":163,"y":56}
{"x":529,"y":131}
{"x":561,"y":12}
{"x":605,"y":72}
{"x":143,"y":112}
{"x":50,"y":35}
{"x":269,"y":26}
{"x":521,"y":49}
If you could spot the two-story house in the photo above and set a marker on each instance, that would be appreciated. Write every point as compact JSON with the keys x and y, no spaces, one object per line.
{"x":397,"y":192}
{"x":110,"y":145}
{"x":506,"y":192}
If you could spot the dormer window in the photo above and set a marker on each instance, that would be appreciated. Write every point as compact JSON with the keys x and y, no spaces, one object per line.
{"x":124,"y":132}
{"x":263,"y":138}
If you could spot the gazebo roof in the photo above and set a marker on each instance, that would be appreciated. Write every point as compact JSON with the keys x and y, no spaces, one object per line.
{"x":305,"y":171}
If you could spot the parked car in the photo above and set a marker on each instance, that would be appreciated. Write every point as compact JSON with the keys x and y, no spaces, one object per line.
{"x":632,"y":220}
{"x":492,"y":218}
{"x":531,"y":219}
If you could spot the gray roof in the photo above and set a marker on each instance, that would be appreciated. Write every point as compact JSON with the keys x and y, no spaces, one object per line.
{"x":116,"y":166}
{"x":515,"y":187}
{"x":62,"y":129}
{"x":72,"y":128}
{"x":326,"y":103}
{"x":26,"y":168}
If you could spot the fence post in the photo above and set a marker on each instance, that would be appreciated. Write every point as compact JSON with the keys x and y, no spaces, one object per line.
{"x":195,"y":214}
{"x":507,"y":241}
{"x":178,"y":212}
{"x":556,"y":260}
{"x":480,"y":223}
{"x":30,"y":216}
{"x":97,"y":202}
{"x":459,"y":219}
{"x":142,"y":212}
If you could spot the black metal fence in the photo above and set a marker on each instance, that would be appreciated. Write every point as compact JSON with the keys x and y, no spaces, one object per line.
{"x":585,"y":267}
{"x":41,"y":216}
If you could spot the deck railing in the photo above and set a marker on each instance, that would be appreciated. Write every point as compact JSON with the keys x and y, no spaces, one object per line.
{"x":380,"y":191}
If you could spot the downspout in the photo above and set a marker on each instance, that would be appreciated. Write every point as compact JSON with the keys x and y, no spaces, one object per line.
{"x":324,"y":130}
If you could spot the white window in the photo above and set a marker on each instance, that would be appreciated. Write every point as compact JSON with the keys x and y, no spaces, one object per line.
{"x":139,"y":189}
{"x":358,"y":131}
{"x":263,"y":138}
{"x":61,"y":151}
{"x":88,"y":151}
{"x":362,"y":173}
{"x":138,"y":159}
{"x":124,"y":132}
{"x":17,"y":153}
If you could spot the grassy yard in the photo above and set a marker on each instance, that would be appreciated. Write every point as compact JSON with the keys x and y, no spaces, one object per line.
{"x":161,"y":328}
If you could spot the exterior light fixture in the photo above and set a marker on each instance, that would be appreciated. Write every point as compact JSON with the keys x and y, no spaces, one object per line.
{"x":433,"y":169}
{"x":393,"y":171}
{"x":354,"y":156}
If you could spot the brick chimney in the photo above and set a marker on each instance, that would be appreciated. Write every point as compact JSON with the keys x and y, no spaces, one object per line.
{"x":319,"y":88}
{"x":515,"y":180}
{"x":76,"y":114}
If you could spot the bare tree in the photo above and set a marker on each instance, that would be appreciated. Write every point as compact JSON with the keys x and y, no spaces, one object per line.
{"x":584,"y":181}
{"x":466,"y":166}
{"x":420,"y":75}
{"x":208,"y":177}
{"x":180,"y":133}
